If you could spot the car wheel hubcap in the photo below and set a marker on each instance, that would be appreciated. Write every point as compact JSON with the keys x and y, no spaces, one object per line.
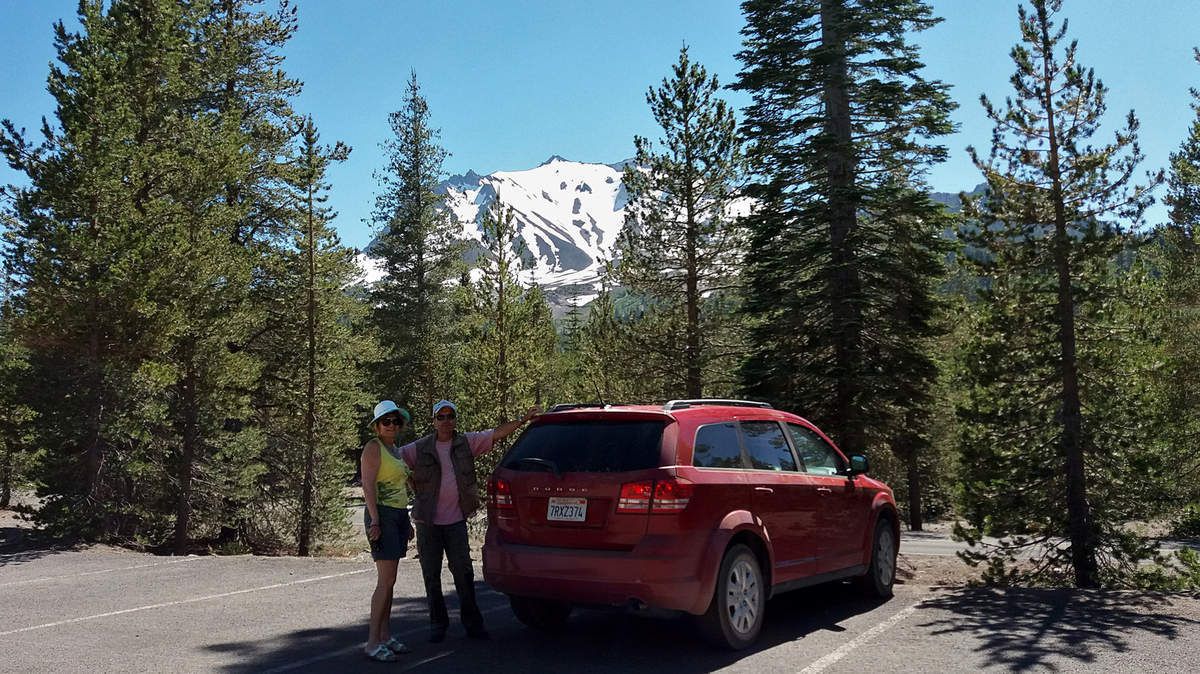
{"x":743,"y":597}
{"x":885,"y":561}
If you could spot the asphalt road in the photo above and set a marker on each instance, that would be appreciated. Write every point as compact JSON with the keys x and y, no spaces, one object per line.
{"x":103,"y":610}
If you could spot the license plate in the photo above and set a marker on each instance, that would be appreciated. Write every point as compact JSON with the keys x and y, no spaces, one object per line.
{"x":563,"y":509}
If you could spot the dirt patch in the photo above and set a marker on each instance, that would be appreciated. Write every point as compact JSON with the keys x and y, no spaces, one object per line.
{"x":935,"y":571}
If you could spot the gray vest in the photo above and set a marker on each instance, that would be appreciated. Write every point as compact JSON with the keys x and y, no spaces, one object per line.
{"x":426,"y":477}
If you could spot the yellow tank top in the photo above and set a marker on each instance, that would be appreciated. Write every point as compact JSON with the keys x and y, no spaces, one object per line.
{"x":390,"y":481}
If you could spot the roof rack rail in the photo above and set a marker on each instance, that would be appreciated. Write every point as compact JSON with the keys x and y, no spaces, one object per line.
{"x":683,"y":404}
{"x":561,"y":407}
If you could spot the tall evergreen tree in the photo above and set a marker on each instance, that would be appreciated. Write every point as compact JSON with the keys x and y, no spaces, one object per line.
{"x":679,"y":246}
{"x":845,"y":245}
{"x":1051,"y":446}
{"x":1179,"y":263}
{"x":238,"y":90}
{"x":86,"y":247}
{"x":420,"y":255}
{"x":16,"y":416}
{"x":313,"y":358}
{"x":129,"y":220}
{"x":512,"y":339}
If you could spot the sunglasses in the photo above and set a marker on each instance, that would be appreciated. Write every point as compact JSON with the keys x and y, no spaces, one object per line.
{"x":391,"y":421}
{"x":444,"y":417}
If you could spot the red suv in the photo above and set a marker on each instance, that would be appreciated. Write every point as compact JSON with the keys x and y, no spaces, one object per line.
{"x":706,"y":507}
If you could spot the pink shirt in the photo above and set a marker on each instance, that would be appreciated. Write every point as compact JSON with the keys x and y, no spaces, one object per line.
{"x":448,"y":510}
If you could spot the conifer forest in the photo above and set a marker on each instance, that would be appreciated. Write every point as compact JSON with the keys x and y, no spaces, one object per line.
{"x":1024,"y":363}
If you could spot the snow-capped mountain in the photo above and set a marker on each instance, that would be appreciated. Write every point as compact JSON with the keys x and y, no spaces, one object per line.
{"x":568,"y":213}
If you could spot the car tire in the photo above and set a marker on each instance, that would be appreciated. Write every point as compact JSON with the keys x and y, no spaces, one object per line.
{"x":735,"y":614}
{"x":881,"y":574}
{"x":545,"y":615}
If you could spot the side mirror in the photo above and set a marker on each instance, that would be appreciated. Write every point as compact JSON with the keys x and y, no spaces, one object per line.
{"x":859,"y":465}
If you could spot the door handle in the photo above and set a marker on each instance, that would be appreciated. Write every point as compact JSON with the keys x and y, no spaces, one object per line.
{"x":824,"y":490}
{"x":765,"y":490}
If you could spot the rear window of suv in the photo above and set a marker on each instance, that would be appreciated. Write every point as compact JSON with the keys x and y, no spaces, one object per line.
{"x":588,"y":446}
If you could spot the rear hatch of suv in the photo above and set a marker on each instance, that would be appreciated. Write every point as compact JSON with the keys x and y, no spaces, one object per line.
{"x":584,"y":480}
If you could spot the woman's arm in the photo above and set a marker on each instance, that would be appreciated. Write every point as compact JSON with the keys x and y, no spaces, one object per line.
{"x":370,"y":472}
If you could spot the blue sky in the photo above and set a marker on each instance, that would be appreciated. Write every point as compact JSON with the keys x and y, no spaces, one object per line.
{"x":512,"y":82}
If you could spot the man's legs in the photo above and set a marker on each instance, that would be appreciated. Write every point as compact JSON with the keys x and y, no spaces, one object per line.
{"x":430,"y":547}
{"x":458,"y":555}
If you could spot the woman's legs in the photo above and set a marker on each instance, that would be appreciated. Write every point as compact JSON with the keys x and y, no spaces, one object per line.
{"x":381,"y":602}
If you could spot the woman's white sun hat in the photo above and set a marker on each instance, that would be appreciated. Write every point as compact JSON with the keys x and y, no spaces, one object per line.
{"x":386,"y":407}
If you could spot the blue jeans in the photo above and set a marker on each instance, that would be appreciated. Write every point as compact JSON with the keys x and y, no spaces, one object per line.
{"x":450,"y":540}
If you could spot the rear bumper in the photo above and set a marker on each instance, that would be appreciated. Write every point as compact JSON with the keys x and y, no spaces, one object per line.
{"x":656,"y":573}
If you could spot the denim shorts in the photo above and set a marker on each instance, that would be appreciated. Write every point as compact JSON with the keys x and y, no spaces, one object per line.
{"x":394,"y":532}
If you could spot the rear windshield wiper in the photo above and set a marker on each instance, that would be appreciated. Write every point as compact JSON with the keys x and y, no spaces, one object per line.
{"x":544,"y":463}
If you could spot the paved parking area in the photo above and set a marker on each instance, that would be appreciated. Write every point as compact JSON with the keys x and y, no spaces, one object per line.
{"x":111,"y":610}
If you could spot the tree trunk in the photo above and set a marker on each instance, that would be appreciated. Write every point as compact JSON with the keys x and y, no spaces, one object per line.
{"x":843,"y":281}
{"x":915,"y":520}
{"x":695,"y":383}
{"x":306,"y":494}
{"x":1083,"y":544}
{"x":6,"y":475}
{"x":191,"y":437}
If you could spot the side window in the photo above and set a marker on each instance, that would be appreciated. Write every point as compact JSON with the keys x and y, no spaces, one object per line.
{"x":816,"y":454}
{"x":766,"y":446}
{"x":717,"y":447}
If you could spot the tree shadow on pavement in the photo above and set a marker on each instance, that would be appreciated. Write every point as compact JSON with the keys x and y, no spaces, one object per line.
{"x":21,"y":544}
{"x":1023,"y":629}
{"x":594,"y":641}
{"x":326,"y":649}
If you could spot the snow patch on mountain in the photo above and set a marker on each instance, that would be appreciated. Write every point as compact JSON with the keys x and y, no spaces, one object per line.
{"x":567,"y":213}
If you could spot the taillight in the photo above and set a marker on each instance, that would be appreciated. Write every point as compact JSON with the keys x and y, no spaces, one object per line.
{"x":662,"y":496}
{"x":500,"y":493}
{"x":671,"y":496}
{"x":635,"y":497}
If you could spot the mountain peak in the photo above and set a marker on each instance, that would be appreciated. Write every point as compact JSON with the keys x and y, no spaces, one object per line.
{"x":553,"y":158}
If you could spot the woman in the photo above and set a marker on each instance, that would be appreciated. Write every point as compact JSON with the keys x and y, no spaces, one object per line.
{"x":386,"y":520}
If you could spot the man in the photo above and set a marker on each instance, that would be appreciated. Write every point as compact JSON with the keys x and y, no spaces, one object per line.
{"x":446,"y":492}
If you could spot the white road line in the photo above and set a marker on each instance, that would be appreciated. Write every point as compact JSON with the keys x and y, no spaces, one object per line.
{"x":861,"y":639}
{"x":181,"y":601}
{"x":427,"y":660}
{"x":93,"y":573}
{"x":358,"y":647}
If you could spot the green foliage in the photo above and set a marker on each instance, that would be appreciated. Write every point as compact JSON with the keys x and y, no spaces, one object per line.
{"x":846,"y":246}
{"x":313,"y":358}
{"x":16,"y":417}
{"x":509,"y":354}
{"x":413,"y":314}
{"x":1176,"y":259}
{"x":1058,"y":446}
{"x":134,"y":248}
{"x":679,"y":247}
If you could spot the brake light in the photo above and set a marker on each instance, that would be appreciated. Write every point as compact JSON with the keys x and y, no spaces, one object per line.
{"x":501,"y":494}
{"x":635,"y":497}
{"x":663,"y":496}
{"x":671,"y":496}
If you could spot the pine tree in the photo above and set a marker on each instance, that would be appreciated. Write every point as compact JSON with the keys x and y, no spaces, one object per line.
{"x":313,"y":356}
{"x":512,"y":345}
{"x":1179,"y":264}
{"x":87,"y":247}
{"x":845,"y":246}
{"x":1051,"y":436}
{"x":679,"y":246}
{"x":609,"y":372}
{"x":417,"y":245}
{"x":129,"y":221}
{"x":16,"y":416}
{"x":239,"y":95}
